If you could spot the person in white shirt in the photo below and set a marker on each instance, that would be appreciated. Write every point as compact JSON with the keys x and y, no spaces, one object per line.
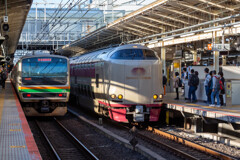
{"x":206,"y":84}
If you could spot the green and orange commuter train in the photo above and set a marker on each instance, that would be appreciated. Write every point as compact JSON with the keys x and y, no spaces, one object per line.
{"x":42,"y":83}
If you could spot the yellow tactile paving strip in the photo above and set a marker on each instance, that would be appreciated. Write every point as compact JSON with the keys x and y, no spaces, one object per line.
{"x":1,"y":105}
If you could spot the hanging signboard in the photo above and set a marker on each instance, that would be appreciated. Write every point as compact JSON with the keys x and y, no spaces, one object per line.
{"x":220,"y":47}
{"x":178,"y":54}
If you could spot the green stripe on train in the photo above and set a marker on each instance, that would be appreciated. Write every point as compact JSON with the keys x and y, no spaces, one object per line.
{"x":44,"y":90}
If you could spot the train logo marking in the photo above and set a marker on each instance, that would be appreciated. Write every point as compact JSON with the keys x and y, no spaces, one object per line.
{"x":138,"y":71}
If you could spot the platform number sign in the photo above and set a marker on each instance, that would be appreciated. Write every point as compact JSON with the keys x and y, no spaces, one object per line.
{"x":5,"y":19}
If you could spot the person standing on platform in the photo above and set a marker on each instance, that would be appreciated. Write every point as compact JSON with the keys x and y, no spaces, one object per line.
{"x":222,"y":89}
{"x":196,"y":83}
{"x":184,"y":78}
{"x":215,"y":89}
{"x":3,"y":77}
{"x":164,"y":81}
{"x":207,"y":87}
{"x":176,"y":82}
{"x":193,"y":83}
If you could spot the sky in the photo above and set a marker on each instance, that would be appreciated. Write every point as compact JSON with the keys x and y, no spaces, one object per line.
{"x":143,"y":2}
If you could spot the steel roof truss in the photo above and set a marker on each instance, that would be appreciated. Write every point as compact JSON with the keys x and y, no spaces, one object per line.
{"x":157,"y":13}
{"x":136,"y":30}
{"x":183,"y":14}
{"x":148,"y":24}
{"x":145,"y":28}
{"x":197,"y":9}
{"x":217,"y":5}
{"x":158,"y":21}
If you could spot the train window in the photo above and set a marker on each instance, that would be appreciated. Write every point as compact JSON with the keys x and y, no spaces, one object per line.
{"x":45,"y":70}
{"x":136,"y":54}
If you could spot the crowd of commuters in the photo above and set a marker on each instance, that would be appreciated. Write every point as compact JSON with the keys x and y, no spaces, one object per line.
{"x":213,"y":84}
{"x":3,"y":77}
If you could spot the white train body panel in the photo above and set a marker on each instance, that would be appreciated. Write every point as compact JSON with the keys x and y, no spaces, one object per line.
{"x":98,"y":79}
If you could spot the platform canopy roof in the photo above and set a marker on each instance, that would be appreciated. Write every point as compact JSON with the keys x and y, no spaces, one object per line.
{"x":17,"y":11}
{"x":161,"y":16}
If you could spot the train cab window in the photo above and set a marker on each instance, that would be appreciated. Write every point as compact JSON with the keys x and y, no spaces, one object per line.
{"x":44,"y":71}
{"x":134,"y":54}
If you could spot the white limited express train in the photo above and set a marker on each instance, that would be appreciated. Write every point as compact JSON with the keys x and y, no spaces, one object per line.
{"x":123,"y":83}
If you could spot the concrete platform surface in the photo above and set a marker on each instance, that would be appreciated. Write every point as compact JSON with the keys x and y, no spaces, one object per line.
{"x":16,"y":139}
{"x":230,"y":114}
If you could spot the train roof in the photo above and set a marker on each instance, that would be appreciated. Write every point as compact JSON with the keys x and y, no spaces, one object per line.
{"x":94,"y":55}
{"x":42,"y":55}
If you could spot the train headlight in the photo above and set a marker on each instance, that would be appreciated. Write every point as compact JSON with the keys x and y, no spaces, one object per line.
{"x":120,"y":96}
{"x":160,"y":96}
{"x":113,"y":96}
{"x":155,"y":96}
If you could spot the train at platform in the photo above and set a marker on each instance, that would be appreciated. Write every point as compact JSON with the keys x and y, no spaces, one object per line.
{"x":123,"y":83}
{"x":42,"y":83}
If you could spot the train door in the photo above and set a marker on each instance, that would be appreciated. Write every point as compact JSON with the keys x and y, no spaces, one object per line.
{"x":99,"y":82}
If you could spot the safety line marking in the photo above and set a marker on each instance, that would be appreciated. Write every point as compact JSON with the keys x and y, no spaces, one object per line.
{"x":18,"y":146}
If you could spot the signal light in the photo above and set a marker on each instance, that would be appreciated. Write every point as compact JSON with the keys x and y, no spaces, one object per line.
{"x":5,"y":27}
{"x":28,"y":95}
{"x":60,"y":95}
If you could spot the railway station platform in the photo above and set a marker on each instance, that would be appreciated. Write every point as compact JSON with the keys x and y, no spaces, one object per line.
{"x":228,"y":114}
{"x":16,"y":139}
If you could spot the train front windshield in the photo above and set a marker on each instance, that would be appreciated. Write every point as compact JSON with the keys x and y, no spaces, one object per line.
{"x":44,"y":71}
{"x":134,"y":54}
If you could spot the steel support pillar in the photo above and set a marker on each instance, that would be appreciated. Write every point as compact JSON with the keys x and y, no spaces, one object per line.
{"x":224,"y":60}
{"x":195,"y":57}
{"x":163,"y":58}
{"x":216,"y":61}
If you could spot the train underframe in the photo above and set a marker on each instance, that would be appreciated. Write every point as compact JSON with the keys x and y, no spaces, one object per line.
{"x":131,"y":113}
{"x":44,"y":108}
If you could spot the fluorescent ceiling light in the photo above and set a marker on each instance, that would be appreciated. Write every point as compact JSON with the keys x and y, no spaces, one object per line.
{"x":211,"y":30}
{"x":236,"y":25}
{"x":189,"y":34}
{"x":170,"y":38}
{"x":154,"y":41}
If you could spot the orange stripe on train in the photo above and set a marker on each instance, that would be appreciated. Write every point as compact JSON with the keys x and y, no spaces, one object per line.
{"x":68,"y":87}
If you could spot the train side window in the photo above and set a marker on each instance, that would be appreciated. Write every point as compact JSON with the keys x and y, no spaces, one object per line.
{"x":97,"y":80}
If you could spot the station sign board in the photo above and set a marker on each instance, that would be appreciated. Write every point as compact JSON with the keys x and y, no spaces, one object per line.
{"x":220,"y":47}
{"x":178,"y":54}
{"x":5,"y":19}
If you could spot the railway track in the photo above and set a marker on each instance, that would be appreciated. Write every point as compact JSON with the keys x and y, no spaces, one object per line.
{"x":176,"y":145}
{"x":63,"y":143}
{"x":183,"y":147}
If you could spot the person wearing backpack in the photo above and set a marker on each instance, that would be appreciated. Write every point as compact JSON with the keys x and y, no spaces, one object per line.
{"x":215,"y":89}
{"x":3,"y":77}
{"x":222,"y":89}
{"x":193,"y":83}
{"x":176,"y":84}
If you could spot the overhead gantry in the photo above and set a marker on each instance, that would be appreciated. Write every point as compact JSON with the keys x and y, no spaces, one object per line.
{"x":166,"y":23}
